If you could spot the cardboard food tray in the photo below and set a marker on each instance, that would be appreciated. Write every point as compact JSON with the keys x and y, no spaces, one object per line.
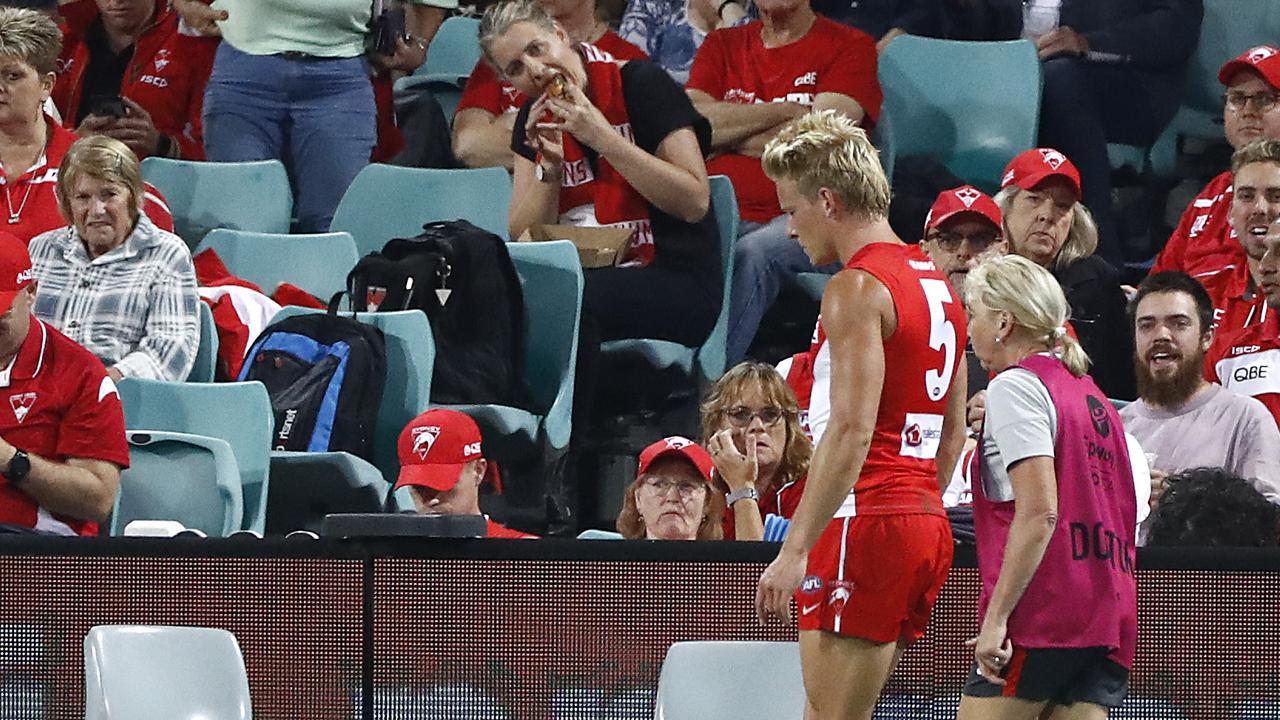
{"x":597,"y":246}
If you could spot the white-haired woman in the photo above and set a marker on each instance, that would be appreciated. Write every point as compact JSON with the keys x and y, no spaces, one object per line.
{"x":1054,"y":509}
{"x":1046,"y":223}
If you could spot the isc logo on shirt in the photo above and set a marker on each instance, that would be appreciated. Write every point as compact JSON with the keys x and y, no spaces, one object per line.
{"x":921,"y":435}
{"x":1252,"y":375}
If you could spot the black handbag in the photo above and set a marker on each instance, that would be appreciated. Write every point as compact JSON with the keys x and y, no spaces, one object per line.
{"x":386,"y":26}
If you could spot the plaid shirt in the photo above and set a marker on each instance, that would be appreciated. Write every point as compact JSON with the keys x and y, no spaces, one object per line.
{"x":134,"y":307}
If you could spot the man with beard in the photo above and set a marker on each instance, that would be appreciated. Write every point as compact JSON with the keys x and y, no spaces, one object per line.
{"x":1180,"y":418}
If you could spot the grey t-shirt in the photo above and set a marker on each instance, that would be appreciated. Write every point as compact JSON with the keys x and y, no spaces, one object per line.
{"x":1021,"y":422}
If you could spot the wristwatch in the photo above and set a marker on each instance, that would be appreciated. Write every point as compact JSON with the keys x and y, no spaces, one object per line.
{"x":746,"y":493}
{"x":18,"y":469}
{"x":542,"y":174}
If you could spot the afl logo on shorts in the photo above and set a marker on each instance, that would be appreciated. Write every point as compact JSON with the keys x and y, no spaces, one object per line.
{"x":1098,"y":415}
{"x":811,"y":584}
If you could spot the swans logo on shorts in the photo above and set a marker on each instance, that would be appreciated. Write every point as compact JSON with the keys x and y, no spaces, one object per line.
{"x":1098,"y":416}
{"x":839,"y":596}
{"x":967,"y":195}
{"x":811,"y":584}
{"x":423,"y":439}
{"x":1052,"y":158}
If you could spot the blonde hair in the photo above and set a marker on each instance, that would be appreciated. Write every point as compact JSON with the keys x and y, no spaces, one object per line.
{"x":31,"y":36}
{"x":101,"y":158}
{"x":631,"y":525}
{"x":1031,"y":295}
{"x":1264,"y":150}
{"x":501,"y":16}
{"x":727,"y":393}
{"x":1082,"y":238}
{"x":825,"y":149}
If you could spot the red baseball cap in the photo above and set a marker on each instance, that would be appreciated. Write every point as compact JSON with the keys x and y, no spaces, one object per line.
{"x":963,"y":200}
{"x":15,"y":269}
{"x":1263,"y":60}
{"x":434,"y":446}
{"x":676,"y":445}
{"x":1034,"y":166}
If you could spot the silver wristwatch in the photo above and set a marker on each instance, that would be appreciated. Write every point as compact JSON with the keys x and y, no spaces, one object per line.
{"x":746,"y":493}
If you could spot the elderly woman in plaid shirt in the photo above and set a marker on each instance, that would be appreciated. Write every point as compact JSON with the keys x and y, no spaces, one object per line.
{"x":111,"y":280}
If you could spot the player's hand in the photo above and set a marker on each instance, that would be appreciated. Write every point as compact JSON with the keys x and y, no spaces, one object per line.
{"x":738,"y":470}
{"x":778,"y":583}
{"x":991,"y":650}
{"x":976,"y":411}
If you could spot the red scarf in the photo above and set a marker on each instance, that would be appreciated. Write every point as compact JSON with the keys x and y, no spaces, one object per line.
{"x":615,"y":201}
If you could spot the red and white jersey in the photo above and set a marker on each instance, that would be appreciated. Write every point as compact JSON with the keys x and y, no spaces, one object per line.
{"x":61,"y":404}
{"x":921,"y":360}
{"x":1204,"y":241}
{"x":1236,"y":303}
{"x":1247,"y":362}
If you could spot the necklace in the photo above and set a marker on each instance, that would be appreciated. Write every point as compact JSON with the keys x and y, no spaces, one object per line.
{"x":15,"y":216}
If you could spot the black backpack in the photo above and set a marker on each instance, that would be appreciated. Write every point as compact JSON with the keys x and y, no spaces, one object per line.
{"x":462,"y":277}
{"x":324,"y":374}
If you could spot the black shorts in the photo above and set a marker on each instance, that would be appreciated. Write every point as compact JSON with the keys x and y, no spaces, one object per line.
{"x":1061,"y":676}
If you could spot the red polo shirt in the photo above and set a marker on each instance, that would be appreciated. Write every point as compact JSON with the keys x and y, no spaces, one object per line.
{"x":1235,"y":303}
{"x":57,"y":403}
{"x":1247,"y":362}
{"x":497,"y":530}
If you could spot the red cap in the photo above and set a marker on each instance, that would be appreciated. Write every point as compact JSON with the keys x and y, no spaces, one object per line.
{"x":1263,"y":60}
{"x":676,"y":445}
{"x":965,"y":199}
{"x":434,"y":446}
{"x":15,"y":269}
{"x":1034,"y":166}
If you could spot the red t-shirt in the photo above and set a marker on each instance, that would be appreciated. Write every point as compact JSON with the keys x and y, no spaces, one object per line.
{"x":32,"y":197}
{"x":923,"y":355}
{"x":1247,"y":362}
{"x":495,"y":530}
{"x":1235,"y":303}
{"x":60,"y":405}
{"x":486,"y":91}
{"x":1203,"y":242}
{"x":733,"y":65}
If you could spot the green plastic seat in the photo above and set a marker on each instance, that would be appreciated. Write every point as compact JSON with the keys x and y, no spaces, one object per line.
{"x":238,"y":413}
{"x":205,"y":195}
{"x":706,"y":363}
{"x":386,"y":201}
{"x":454,"y":51}
{"x":972,"y":105}
{"x":206,"y":362}
{"x":177,"y":476}
{"x":317,"y":263}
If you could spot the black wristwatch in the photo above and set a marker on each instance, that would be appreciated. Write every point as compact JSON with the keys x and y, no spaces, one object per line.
{"x":18,"y":469}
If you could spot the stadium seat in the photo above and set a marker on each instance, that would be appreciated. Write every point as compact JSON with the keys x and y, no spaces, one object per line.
{"x":704,"y":681}
{"x":454,"y":52}
{"x":307,"y":486}
{"x":239,"y":413}
{"x":206,"y":195}
{"x":933,"y":106}
{"x":177,"y":476}
{"x":385,"y":202}
{"x":206,"y":363}
{"x":411,"y":356}
{"x":151,"y":672}
{"x":704,"y":364}
{"x":317,"y":263}
{"x":551,"y":281}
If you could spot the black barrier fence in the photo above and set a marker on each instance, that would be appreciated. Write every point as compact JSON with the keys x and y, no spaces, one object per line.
{"x":555,"y":630}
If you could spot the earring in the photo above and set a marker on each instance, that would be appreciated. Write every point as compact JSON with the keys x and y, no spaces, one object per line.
{"x":1000,"y":340}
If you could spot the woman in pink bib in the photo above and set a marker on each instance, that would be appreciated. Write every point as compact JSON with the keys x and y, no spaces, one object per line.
{"x":1054,"y":512}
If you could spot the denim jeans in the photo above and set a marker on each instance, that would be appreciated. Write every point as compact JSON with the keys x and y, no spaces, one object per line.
{"x":316,"y":116}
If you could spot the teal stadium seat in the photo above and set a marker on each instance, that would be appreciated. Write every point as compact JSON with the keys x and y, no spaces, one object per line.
{"x":385,"y":202}
{"x":707,"y":363}
{"x":206,"y":363}
{"x":454,"y":51}
{"x":703,"y":680}
{"x":176,"y":476}
{"x":316,"y":263}
{"x":150,"y":672}
{"x":972,"y":105}
{"x":238,"y":413}
{"x":205,"y":195}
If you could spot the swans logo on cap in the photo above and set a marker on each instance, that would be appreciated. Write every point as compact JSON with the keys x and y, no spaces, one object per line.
{"x":967,"y":195}
{"x":1052,"y":158}
{"x":423,"y":439}
{"x":1260,"y":53}
{"x":675,"y":443}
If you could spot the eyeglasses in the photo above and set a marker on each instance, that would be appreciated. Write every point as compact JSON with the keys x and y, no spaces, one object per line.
{"x":1262,"y":102}
{"x":951,"y":241}
{"x":662,"y":486}
{"x":742,"y":415}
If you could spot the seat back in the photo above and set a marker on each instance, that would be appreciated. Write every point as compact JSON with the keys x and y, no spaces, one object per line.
{"x":704,"y":681}
{"x":936,"y":108}
{"x":386,"y":201}
{"x":206,"y":363}
{"x":411,"y":357}
{"x":1229,"y":28}
{"x":551,"y":280}
{"x":207,"y":195}
{"x":454,"y":52}
{"x":711,"y":356}
{"x":141,"y":672}
{"x":317,"y":263}
{"x":239,"y":413}
{"x":177,"y":476}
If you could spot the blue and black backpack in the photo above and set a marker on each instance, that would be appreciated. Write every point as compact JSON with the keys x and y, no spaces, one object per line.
{"x":324,"y":374}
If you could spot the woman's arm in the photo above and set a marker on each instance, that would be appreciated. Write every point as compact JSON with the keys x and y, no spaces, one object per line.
{"x":535,"y":201}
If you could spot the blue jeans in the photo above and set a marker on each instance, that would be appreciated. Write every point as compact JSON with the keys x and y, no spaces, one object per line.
{"x":764,"y":259}
{"x":316,"y":116}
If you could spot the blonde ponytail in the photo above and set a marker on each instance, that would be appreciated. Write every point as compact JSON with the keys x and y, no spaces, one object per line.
{"x":1073,"y":356}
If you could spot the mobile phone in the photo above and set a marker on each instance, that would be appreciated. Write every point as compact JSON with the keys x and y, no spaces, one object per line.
{"x":108,"y":106}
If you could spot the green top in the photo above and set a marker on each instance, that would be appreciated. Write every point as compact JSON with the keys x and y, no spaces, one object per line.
{"x":325,"y":28}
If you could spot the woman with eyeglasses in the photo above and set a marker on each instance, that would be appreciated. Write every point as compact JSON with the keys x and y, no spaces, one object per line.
{"x":672,"y":497}
{"x":752,"y":425}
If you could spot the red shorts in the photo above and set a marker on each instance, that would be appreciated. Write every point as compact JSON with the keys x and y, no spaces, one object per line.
{"x":876,"y":576}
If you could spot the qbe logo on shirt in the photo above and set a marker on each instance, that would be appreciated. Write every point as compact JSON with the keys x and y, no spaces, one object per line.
{"x":1252,"y":374}
{"x":921,"y":435}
